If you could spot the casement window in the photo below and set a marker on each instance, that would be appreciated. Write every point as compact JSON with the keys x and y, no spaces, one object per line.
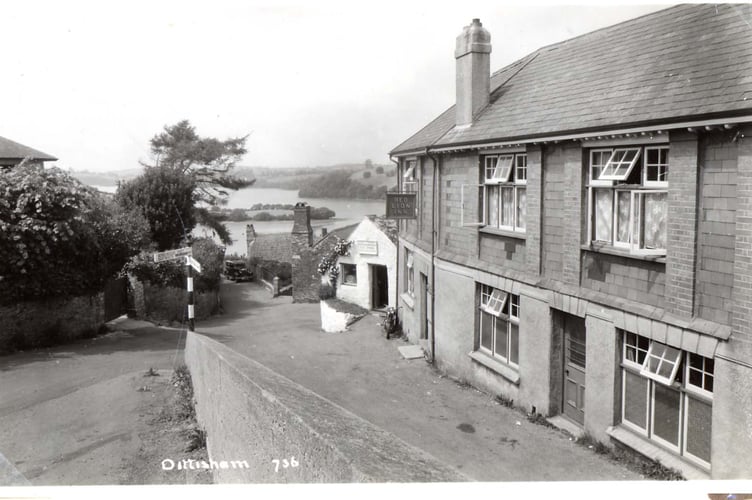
{"x":349,"y":274}
{"x":628,"y":192}
{"x":504,"y":191}
{"x":498,"y":329}
{"x":409,"y":272}
{"x":667,"y":396}
{"x":410,"y":176}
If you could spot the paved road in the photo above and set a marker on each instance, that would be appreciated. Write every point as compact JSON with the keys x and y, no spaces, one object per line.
{"x":74,"y":414}
{"x":364,"y":372}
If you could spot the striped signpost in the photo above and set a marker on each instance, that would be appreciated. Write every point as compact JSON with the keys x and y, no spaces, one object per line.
{"x":190,"y":264}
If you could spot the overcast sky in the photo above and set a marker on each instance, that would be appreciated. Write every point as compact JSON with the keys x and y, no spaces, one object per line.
{"x":313,"y":83}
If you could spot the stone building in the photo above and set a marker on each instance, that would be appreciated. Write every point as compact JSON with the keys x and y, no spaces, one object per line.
{"x":307,"y":253}
{"x":582,"y":242}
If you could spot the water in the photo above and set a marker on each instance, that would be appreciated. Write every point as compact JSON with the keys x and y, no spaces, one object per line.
{"x":347,"y":212}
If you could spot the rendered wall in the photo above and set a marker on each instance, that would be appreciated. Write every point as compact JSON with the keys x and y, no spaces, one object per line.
{"x":253,"y":414}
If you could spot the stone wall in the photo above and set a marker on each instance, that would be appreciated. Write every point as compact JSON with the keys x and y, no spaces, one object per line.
{"x":169,"y":304}
{"x":49,"y":321}
{"x":253,"y":415}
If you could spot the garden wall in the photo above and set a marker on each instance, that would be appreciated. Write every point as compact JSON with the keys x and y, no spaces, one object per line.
{"x":254,"y":416}
{"x":167,"y":304}
{"x":49,"y":321}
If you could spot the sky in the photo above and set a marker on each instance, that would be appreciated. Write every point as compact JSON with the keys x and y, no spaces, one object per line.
{"x":310,"y":83}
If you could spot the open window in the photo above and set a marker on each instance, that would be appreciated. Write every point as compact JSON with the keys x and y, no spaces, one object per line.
{"x":498,"y":168}
{"x":493,"y":302}
{"x":620,"y":164}
{"x":661,"y":363}
{"x":465,"y":218}
{"x":409,"y":181}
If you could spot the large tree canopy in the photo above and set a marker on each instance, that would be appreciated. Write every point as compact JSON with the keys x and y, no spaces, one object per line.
{"x":166,"y":198}
{"x":207,"y":159}
{"x":208,"y":162}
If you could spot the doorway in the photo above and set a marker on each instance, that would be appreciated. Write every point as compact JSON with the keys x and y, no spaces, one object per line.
{"x":379,"y":286}
{"x":575,"y":363}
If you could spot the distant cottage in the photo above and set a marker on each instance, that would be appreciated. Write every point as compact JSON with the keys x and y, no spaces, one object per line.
{"x":13,"y":153}
{"x":582,"y":246}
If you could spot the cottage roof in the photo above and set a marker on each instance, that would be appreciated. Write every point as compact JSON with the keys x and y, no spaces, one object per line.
{"x":386,"y":226}
{"x":688,"y":61}
{"x":275,"y":246}
{"x":11,"y":150}
{"x":342,"y":233}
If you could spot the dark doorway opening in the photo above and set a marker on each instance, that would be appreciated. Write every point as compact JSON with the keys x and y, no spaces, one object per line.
{"x":379,"y":287}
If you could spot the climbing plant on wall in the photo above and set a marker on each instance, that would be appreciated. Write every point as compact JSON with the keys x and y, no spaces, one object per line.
{"x":328,"y":263}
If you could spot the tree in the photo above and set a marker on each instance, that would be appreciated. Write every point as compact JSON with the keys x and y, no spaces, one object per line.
{"x":60,"y":237}
{"x":369,"y":164}
{"x":208,"y":161}
{"x":379,"y":169}
{"x":166,"y":198}
{"x":366,"y":174}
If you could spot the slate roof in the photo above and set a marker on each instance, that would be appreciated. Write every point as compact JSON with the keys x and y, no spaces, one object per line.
{"x":11,"y":150}
{"x":689,"y":61}
{"x":342,"y":233}
{"x":276,"y":246}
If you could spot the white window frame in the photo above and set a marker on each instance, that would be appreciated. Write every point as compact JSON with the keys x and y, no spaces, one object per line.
{"x":409,"y":178}
{"x":616,"y":161}
{"x":637,"y":194}
{"x":686,"y":391}
{"x":482,"y":221}
{"x":495,"y":302}
{"x":342,"y":273}
{"x":512,"y":304}
{"x":516,"y":163}
{"x":409,"y":272}
{"x":500,"y":172}
{"x":646,"y":165}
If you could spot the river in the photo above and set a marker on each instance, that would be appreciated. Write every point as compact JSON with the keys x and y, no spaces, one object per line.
{"x":347,"y":212}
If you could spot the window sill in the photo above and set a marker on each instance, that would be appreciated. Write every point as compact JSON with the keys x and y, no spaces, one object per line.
{"x":503,"y":232}
{"x":408,"y":299}
{"x":609,"y":250}
{"x":349,"y":284}
{"x":505,"y":371}
{"x":654,"y":452}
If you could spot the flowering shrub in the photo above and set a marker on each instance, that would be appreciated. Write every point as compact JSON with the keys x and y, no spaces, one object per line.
{"x":328,"y":263}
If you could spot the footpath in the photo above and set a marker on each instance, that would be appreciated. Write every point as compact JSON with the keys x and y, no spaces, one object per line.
{"x":364,"y":372}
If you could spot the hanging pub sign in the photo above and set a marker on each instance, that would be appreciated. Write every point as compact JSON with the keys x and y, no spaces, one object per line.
{"x":401,"y":206}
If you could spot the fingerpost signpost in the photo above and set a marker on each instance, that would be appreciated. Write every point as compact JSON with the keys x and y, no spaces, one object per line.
{"x":191,"y":264}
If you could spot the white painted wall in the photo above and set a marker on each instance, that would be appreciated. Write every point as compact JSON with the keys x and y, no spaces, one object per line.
{"x":360,"y":293}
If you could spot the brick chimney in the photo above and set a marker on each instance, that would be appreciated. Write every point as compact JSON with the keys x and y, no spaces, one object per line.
{"x":301,"y":226}
{"x":473,"y":55}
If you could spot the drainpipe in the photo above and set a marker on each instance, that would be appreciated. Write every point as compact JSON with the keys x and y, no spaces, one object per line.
{"x":396,"y":281}
{"x":434,"y":189}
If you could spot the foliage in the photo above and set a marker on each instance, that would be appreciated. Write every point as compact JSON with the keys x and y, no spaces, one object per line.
{"x":340,"y":185}
{"x":59,"y":237}
{"x":326,"y":291}
{"x":379,"y":169}
{"x":328,"y":263}
{"x":366,"y":174}
{"x":172,"y":273}
{"x":166,"y":199}
{"x":207,"y":161}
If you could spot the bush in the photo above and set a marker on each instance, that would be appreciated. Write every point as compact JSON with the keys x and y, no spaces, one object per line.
{"x":366,"y":174}
{"x":379,"y":170}
{"x":59,"y":237}
{"x":172,"y":273}
{"x":326,"y":291}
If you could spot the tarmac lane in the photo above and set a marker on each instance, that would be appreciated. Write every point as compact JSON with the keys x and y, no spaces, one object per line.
{"x":74,"y":414}
{"x":363,"y":372}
